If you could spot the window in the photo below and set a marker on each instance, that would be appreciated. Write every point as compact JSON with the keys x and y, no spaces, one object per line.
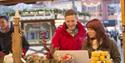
{"x":33,"y":31}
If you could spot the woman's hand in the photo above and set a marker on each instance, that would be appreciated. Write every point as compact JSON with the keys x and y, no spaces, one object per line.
{"x":2,"y":53}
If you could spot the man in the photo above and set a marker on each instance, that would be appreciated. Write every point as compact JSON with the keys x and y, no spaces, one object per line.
{"x":70,"y":35}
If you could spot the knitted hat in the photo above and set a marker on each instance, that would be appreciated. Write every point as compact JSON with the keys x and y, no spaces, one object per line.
{"x":5,"y":17}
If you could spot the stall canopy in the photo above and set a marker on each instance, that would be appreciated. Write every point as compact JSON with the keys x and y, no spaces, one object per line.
{"x":13,"y":2}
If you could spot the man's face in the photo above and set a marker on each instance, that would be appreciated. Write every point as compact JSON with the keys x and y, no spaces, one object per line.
{"x":71,"y":22}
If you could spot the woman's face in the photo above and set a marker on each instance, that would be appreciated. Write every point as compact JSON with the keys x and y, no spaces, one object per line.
{"x":3,"y":23}
{"x":91,"y":33}
{"x":71,"y":22}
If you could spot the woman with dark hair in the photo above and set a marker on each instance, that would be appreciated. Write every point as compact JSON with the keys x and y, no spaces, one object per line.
{"x":6,"y":30}
{"x":97,"y":39}
{"x":5,"y":37}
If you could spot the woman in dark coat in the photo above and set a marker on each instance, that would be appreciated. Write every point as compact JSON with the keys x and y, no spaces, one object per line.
{"x":5,"y":37}
{"x":6,"y":29}
{"x":98,"y":40}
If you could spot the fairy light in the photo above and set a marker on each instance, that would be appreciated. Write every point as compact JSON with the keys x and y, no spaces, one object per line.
{"x":91,"y":3}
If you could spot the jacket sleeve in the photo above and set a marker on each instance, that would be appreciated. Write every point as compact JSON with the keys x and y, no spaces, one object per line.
{"x":115,"y":55}
{"x":56,"y":39}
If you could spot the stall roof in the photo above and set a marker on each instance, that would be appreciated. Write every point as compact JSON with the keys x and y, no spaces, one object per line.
{"x":13,"y":2}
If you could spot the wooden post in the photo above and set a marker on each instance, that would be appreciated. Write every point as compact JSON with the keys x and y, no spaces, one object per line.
{"x":16,"y":40}
{"x":123,"y":23}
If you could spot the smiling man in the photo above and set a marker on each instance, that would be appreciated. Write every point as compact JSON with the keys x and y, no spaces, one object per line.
{"x":70,"y":35}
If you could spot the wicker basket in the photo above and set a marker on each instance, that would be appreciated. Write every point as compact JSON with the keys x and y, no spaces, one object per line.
{"x":54,"y":61}
{"x":46,"y":61}
{"x":34,"y":58}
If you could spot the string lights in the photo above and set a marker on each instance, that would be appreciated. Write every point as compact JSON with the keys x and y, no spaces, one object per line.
{"x":91,"y":3}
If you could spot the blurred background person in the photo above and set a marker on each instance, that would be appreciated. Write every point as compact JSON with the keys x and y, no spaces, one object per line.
{"x":114,"y":34}
{"x":120,"y":36}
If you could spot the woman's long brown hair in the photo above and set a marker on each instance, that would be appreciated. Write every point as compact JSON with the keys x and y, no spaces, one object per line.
{"x":100,"y":32}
